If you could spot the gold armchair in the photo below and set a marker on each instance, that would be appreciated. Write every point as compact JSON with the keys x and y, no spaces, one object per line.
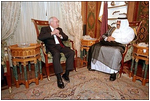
{"x":47,"y":60}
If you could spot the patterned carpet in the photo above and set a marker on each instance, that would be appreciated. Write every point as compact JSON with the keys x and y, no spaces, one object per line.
{"x":84,"y":85}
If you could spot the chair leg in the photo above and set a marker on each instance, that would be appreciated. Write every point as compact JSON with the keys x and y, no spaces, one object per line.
{"x":8,"y":77}
{"x":75,"y":64}
{"x":47,"y":72}
{"x":121,"y":68}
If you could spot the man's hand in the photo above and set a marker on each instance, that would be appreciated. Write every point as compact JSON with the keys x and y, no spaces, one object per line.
{"x":55,"y":32}
{"x":110,"y":38}
{"x":58,"y":35}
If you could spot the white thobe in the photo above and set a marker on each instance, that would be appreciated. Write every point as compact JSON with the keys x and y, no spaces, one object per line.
{"x":124,"y":37}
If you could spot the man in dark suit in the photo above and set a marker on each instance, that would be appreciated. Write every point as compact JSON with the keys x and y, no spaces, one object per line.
{"x":53,"y":36}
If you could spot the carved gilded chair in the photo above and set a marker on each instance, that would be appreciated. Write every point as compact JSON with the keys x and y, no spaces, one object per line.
{"x":126,"y":56}
{"x":47,"y":57}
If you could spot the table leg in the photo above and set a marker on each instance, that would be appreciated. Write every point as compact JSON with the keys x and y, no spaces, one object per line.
{"x":15,"y":74}
{"x":36,"y":73}
{"x":25,"y":72}
{"x":29,"y":64}
{"x":81,"y":57}
{"x":135,"y":70}
{"x":145,"y":74}
{"x":87,"y":55}
{"x":35,"y":66}
{"x":143,"y":68}
{"x":132,"y":64}
{"x":41,"y":77}
{"x":20,"y":68}
{"x":25,"y":76}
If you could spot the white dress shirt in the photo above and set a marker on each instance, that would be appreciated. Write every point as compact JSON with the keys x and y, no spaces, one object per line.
{"x":55,"y":37}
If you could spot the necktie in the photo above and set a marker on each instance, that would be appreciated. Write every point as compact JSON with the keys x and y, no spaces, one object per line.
{"x":60,"y":42}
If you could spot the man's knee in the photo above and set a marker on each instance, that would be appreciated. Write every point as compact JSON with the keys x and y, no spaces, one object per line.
{"x":56,"y":55}
{"x":117,"y":52}
{"x":70,"y":53}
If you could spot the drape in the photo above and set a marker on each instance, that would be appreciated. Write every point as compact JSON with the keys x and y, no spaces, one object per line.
{"x":69,"y":14}
{"x":73,"y":21}
{"x":25,"y":31}
{"x":9,"y":21}
{"x":17,"y":26}
{"x":104,"y":26}
{"x":10,"y":17}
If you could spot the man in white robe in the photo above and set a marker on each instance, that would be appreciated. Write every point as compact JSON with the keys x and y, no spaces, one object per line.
{"x":122,"y":34}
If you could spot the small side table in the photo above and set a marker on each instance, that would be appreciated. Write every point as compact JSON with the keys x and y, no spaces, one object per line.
{"x":25,"y":55}
{"x":143,"y":54}
{"x":85,"y":44}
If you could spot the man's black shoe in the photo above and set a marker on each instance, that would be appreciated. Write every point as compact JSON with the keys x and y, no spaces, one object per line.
{"x":112,"y":77}
{"x":60,"y":84}
{"x":66,"y":78}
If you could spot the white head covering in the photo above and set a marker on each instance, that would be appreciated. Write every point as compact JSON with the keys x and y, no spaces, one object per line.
{"x":125,"y":33}
{"x":124,"y":25}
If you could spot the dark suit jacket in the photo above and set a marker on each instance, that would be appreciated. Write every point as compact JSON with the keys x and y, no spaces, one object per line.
{"x":48,"y":39}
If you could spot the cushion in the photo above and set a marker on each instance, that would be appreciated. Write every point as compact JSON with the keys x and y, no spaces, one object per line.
{"x":40,"y":26}
{"x":50,"y":58}
{"x":128,"y":55}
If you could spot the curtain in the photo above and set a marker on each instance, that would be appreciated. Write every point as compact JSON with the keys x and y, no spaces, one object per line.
{"x":10,"y":17}
{"x":17,"y":26}
{"x":9,"y":21}
{"x":73,"y":21}
{"x":25,"y":31}
{"x":104,"y":26}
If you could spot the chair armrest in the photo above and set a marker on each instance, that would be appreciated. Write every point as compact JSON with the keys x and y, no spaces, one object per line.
{"x":42,"y":47}
{"x":126,"y":49}
{"x":43,"y":51}
{"x":72,"y":46}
